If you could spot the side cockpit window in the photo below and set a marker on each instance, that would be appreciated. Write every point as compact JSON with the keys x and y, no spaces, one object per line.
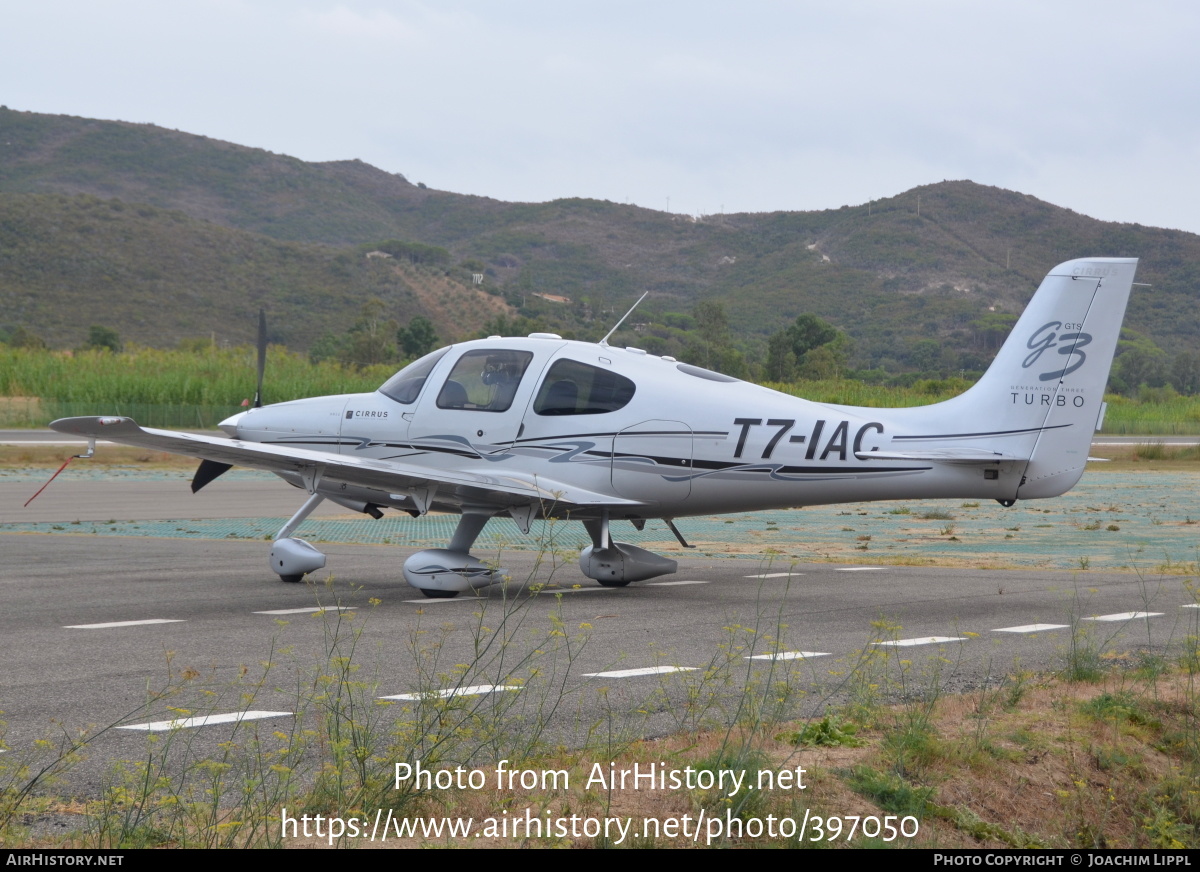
{"x":574,"y":388}
{"x":405,"y":386}
{"x":484,"y":381}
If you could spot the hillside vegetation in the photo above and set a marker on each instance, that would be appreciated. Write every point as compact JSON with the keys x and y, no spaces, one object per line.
{"x":163,"y":234}
{"x":159,"y":276}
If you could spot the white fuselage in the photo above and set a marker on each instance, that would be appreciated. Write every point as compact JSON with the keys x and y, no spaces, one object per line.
{"x":686,"y":442}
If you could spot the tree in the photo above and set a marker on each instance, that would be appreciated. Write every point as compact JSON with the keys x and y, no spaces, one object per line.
{"x":809,"y":332}
{"x":824,"y":362}
{"x":328,"y":347}
{"x":1185,"y":373}
{"x":414,"y":252}
{"x":810,"y":348}
{"x":23,"y":338}
{"x":1141,"y":362}
{"x":103,"y":338}
{"x":418,"y":338}
{"x":925,"y":355}
{"x":370,"y":338}
{"x":992,"y":328}
{"x":781,"y":359}
{"x":713,"y":327}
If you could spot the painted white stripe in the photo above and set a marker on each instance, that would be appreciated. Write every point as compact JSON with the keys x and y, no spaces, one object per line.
{"x":433,"y":601}
{"x":789,"y":655}
{"x":672,"y":583}
{"x":1030,"y":628}
{"x":312,"y":610}
{"x":636,"y":673}
{"x":574,"y":589}
{"x":474,"y":690}
{"x":773,"y":574}
{"x":858,"y":569}
{"x":926,"y":640}
{"x":205,"y":721}
{"x":48,"y":442}
{"x":1124,"y":616}
{"x":1190,"y":606}
{"x":125,"y":624}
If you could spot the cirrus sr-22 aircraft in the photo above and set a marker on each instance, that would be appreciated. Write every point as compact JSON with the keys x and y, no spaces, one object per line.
{"x":545,"y":428}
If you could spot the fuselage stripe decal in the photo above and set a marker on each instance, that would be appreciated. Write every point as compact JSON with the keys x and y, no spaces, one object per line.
{"x":973,"y":435}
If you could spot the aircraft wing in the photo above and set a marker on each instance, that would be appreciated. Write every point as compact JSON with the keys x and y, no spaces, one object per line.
{"x":942,"y":455}
{"x":474,"y":487}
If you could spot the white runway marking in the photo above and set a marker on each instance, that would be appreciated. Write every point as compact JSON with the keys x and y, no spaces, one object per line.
{"x":204,"y":721}
{"x":673,"y":583}
{"x":111,"y":624}
{"x":31,"y":442}
{"x":1124,"y":616}
{"x":636,"y":673}
{"x":789,"y":655}
{"x":1030,"y":628}
{"x":312,"y":610}
{"x":433,"y":601}
{"x":858,"y":568}
{"x":774,"y":574}
{"x":474,"y":690}
{"x":926,"y":640}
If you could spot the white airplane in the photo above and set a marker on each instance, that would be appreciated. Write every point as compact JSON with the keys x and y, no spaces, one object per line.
{"x":541,"y":427}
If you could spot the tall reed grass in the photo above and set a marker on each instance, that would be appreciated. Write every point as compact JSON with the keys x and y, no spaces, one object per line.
{"x":198,"y":388}
{"x":162,"y":387}
{"x":1158,"y":413}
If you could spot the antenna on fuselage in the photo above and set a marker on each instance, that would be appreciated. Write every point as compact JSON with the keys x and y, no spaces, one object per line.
{"x":604,"y":341}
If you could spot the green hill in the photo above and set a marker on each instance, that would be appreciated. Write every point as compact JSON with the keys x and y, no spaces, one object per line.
{"x":159,"y":276}
{"x":175,"y":234}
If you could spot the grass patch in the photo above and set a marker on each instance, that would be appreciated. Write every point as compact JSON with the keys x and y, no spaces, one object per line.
{"x":829,"y":732}
{"x":936,"y":515}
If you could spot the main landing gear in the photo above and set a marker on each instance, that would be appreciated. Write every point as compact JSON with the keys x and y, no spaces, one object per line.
{"x":442,"y":573}
{"x":616,"y":564}
{"x":292,"y":558}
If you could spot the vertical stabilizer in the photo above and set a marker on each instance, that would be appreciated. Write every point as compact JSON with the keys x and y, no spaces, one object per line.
{"x":1047,"y":383}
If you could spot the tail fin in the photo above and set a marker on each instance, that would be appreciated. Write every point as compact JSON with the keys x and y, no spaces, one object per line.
{"x":1047,"y":383}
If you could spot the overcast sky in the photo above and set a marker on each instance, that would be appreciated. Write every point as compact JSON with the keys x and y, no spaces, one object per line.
{"x":694,"y":106}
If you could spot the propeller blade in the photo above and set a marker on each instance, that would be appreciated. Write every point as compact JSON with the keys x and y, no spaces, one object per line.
{"x":262,"y":356}
{"x":207,"y":471}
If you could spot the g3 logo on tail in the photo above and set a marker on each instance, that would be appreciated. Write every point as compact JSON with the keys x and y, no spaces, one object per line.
{"x":1045,"y":338}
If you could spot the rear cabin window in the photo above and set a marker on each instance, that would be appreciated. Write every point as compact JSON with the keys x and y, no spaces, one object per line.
{"x":484,"y":381}
{"x":574,"y":388}
{"x":405,"y":386}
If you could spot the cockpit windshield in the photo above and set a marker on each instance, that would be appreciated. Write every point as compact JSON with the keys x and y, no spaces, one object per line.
{"x":405,"y":386}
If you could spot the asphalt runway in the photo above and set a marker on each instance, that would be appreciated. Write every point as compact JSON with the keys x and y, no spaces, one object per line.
{"x":133,"y":630}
